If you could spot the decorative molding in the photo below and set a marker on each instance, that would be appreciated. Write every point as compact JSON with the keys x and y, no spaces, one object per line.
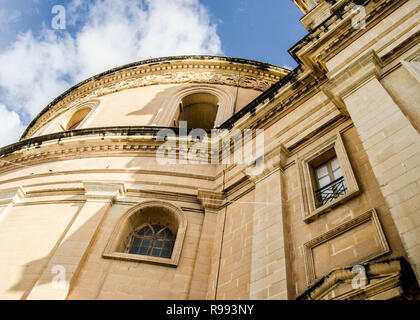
{"x":210,"y":199}
{"x":95,"y":148}
{"x":274,"y":159}
{"x":306,"y":5}
{"x":336,"y":33}
{"x":317,"y":14}
{"x":341,"y":40}
{"x":262,"y":112}
{"x":11,"y":196}
{"x":382,"y":278}
{"x":103,"y":191}
{"x":175,"y":72}
{"x":413,"y":66}
{"x":370,"y":215}
{"x":355,"y":76}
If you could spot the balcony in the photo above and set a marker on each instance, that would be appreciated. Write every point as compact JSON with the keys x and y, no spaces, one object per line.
{"x":331,"y":191}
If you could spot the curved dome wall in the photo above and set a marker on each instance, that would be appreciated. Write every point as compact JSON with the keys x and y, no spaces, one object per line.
{"x":148,"y":93}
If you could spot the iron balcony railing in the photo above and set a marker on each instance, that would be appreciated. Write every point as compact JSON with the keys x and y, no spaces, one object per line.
{"x":331,"y":191}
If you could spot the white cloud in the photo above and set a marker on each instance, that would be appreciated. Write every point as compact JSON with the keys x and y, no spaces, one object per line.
{"x":11,"y":127}
{"x":34,"y":70}
{"x":31,"y":71}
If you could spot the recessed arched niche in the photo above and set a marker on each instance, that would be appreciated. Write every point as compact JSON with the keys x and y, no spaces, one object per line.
{"x":202,"y":106}
{"x":77,"y":118}
{"x":199,"y":110}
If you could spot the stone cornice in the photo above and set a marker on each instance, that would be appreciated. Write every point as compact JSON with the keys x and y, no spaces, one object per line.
{"x":210,"y":199}
{"x":353,"y":77}
{"x":272,"y":108}
{"x":375,"y":13}
{"x":187,"y":69}
{"x":103,"y":191}
{"x":145,"y":132}
{"x":274,"y":159}
{"x":11,"y":196}
{"x":74,"y":151}
{"x":336,"y":33}
{"x":322,"y":34}
{"x":307,"y":78}
{"x":108,"y":142}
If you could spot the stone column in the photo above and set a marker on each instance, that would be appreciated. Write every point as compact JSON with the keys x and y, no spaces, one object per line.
{"x":211,"y":202}
{"x":391,"y":142}
{"x":64,"y":265}
{"x":268,"y":269}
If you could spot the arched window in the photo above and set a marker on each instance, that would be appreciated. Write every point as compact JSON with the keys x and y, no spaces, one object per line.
{"x":77,"y":118}
{"x":199,"y":110}
{"x":152,"y":232}
{"x":152,"y":240}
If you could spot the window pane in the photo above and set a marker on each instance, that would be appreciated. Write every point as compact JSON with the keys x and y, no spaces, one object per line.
{"x":135,"y":246}
{"x":335,"y":164}
{"x":168,"y":245}
{"x":155,"y":240}
{"x":157,"y":228}
{"x":166,"y":253}
{"x":165,"y":234}
{"x":158,"y":244}
{"x":146,"y":243}
{"x":143,"y":250}
{"x":337,"y":173}
{"x":324,"y":181}
{"x":156,"y":252}
{"x":146,"y":231}
{"x":321,"y":171}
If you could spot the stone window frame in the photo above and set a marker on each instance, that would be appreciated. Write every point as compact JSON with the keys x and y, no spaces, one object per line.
{"x":120,"y":234}
{"x":370,"y":215}
{"x":307,"y":185}
{"x":54,"y":125}
{"x":170,"y":107}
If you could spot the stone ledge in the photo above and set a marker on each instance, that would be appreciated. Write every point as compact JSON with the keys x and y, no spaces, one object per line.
{"x":397,"y":271}
{"x":352,"y":78}
{"x":11,"y":196}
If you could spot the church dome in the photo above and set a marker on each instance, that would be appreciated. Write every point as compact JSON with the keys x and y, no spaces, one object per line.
{"x":159,"y":92}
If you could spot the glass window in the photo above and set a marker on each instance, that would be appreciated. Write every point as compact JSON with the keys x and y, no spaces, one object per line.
{"x":152,"y":240}
{"x":330,"y":180}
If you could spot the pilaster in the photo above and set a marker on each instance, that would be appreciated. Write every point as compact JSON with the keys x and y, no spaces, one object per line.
{"x":8,"y":198}
{"x":391,"y":142}
{"x":211,"y":202}
{"x":268,"y":269}
{"x":64,"y":265}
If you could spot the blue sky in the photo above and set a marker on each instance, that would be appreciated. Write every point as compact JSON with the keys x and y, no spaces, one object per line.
{"x":37,"y":63}
{"x":261,"y":30}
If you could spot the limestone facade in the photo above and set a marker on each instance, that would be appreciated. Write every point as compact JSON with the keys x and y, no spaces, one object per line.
{"x":85,"y":174}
